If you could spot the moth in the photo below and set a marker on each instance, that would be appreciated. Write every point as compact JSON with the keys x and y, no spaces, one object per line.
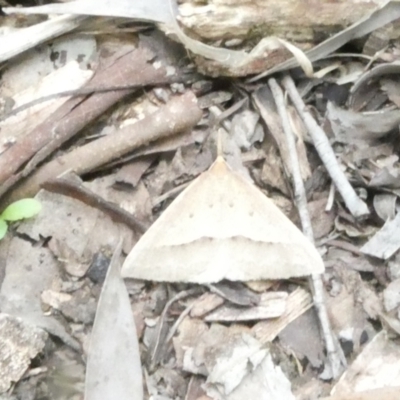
{"x":222,"y":227}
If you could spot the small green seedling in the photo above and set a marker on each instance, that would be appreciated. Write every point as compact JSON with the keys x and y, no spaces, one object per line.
{"x":21,"y":209}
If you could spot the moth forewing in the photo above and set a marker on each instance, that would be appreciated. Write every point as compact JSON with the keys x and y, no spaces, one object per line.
{"x":222,"y":227}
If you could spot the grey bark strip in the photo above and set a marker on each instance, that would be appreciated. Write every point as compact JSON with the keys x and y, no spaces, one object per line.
{"x":336,"y":359}
{"x":355,"y":205}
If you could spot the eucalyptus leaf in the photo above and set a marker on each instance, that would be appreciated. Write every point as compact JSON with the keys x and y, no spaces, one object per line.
{"x":21,"y":209}
{"x":3,"y":228}
{"x":113,"y":369}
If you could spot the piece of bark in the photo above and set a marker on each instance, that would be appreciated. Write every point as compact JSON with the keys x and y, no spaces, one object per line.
{"x":180,"y":114}
{"x":306,"y":22}
{"x":135,"y":67}
{"x":130,"y":174}
{"x":271,"y":305}
{"x":307,"y":25}
{"x":298,"y":302}
{"x":205,"y":304}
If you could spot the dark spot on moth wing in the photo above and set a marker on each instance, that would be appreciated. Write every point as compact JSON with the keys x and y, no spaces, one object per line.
{"x":251,"y":213}
{"x":191,"y":215}
{"x":231,"y":204}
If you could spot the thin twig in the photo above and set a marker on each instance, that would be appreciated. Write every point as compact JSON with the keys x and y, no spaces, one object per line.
{"x":171,"y":193}
{"x":158,"y":343}
{"x":356,"y":206}
{"x":77,"y":191}
{"x":335,"y":357}
{"x":179,"y":320}
{"x":179,"y":114}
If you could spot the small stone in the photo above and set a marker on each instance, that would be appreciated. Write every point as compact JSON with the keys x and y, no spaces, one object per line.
{"x":98,"y":269}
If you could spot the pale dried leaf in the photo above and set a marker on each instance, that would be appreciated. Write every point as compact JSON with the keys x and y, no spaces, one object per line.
{"x":377,"y":366}
{"x":352,"y":127}
{"x":386,"y":241}
{"x":113,"y":368}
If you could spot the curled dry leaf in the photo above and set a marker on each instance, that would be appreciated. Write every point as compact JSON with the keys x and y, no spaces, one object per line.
{"x":350,"y":127}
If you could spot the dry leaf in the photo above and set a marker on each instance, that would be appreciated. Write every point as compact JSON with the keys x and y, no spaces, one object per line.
{"x":386,"y":241}
{"x":377,"y":366}
{"x":113,"y":367}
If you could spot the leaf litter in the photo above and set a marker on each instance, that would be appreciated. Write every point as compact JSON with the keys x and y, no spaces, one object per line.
{"x":222,"y":339}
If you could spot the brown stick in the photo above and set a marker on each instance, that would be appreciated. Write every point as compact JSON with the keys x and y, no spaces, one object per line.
{"x":133,"y":67}
{"x":180,"y":114}
{"x":77,"y":191}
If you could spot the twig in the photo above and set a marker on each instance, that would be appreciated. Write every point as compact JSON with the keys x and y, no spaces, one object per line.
{"x":158,"y":343}
{"x":336,"y":359}
{"x":171,"y":193}
{"x":178,"y":115}
{"x":78,"y":191}
{"x":356,"y":206}
{"x":178,"y":321}
{"x":133,"y":67}
{"x":86,"y":91}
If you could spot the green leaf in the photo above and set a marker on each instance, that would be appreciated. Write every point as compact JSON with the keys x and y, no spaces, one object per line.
{"x":3,"y":228}
{"x":25,"y":208}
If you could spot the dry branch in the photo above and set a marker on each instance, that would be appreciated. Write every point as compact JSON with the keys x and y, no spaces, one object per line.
{"x":180,"y":114}
{"x":133,"y":68}
{"x":77,"y":190}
